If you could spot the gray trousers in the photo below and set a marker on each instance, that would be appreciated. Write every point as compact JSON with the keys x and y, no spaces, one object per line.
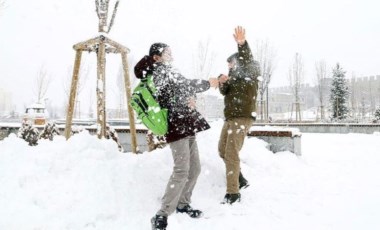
{"x":186,"y":170}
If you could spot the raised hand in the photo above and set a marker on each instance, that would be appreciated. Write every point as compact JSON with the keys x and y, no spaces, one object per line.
{"x":223,"y":78}
{"x":239,"y":35}
{"x":213,"y":82}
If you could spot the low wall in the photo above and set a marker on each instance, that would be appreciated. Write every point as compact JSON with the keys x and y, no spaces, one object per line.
{"x":328,"y":128}
{"x":125,"y":139}
{"x":123,"y":133}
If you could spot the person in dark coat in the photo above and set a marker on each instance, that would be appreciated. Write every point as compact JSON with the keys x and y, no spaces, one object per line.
{"x":177,"y":94}
{"x":239,"y":89}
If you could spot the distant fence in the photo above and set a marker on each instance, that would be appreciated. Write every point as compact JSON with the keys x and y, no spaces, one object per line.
{"x":125,"y":140}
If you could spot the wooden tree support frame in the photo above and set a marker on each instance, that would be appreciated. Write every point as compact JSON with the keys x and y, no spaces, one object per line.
{"x":101,"y":45}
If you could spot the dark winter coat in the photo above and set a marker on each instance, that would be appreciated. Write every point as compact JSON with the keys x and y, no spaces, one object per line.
{"x":240,"y":91}
{"x":173,"y":93}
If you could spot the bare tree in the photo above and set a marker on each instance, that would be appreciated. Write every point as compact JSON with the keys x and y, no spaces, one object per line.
{"x":265,"y":54}
{"x":203,"y":60}
{"x":321,"y":76}
{"x":102,"y":12}
{"x":83,"y":73}
{"x":121,"y":91}
{"x":296,"y":77}
{"x":42,"y":84}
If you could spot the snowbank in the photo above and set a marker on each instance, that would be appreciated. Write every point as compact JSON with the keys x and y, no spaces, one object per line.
{"x":86,"y":183}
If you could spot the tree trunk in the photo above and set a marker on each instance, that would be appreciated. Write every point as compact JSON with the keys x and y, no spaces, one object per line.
{"x":100,"y":92}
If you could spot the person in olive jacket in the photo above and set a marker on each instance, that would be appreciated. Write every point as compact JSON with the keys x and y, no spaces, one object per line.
{"x":177,"y":94}
{"x":239,"y":89}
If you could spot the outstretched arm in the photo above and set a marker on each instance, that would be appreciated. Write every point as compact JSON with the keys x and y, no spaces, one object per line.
{"x":245,"y":58}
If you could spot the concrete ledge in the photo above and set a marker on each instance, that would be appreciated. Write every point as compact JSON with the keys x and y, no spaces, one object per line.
{"x":257,"y":133}
{"x":278,"y":139}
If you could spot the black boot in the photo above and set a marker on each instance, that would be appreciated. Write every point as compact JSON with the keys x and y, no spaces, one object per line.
{"x":243,"y":183}
{"x":231,"y":198}
{"x":159,"y":222}
{"x":193,"y":213}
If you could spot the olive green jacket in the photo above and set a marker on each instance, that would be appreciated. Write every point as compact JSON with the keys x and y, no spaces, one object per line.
{"x":240,"y":91}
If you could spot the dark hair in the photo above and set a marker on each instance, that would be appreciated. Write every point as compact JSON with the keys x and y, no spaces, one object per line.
{"x":233,"y":57}
{"x":144,"y":67}
{"x":157,"y":49}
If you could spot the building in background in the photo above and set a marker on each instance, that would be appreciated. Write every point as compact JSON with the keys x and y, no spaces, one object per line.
{"x":6,"y":106}
{"x":363,"y":102}
{"x":364,"y":96}
{"x":281,"y":102}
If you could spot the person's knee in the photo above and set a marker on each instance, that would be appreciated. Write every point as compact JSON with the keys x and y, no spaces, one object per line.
{"x":221,"y":150}
{"x":181,"y":173}
{"x":232,"y":156}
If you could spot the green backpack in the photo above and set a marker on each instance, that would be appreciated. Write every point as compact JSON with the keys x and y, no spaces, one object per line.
{"x":147,"y":108}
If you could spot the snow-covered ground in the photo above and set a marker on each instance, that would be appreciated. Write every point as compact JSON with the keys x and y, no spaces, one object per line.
{"x":85,"y":183}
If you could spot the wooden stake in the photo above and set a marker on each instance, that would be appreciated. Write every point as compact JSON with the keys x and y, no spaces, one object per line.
{"x":100,"y":91}
{"x":129,"y":96}
{"x":73,"y":94}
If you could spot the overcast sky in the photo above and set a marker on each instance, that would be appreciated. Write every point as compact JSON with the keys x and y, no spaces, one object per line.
{"x":36,"y":34}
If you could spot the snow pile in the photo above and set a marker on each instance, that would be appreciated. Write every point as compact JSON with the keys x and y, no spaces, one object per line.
{"x":86,"y":183}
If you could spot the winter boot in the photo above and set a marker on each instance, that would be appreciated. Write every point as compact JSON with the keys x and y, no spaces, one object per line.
{"x":159,"y":222}
{"x":243,"y":183}
{"x":193,"y":213}
{"x":231,"y":198}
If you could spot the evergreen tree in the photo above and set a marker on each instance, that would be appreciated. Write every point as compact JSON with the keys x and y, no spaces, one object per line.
{"x":377,"y":114}
{"x":339,"y":94}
